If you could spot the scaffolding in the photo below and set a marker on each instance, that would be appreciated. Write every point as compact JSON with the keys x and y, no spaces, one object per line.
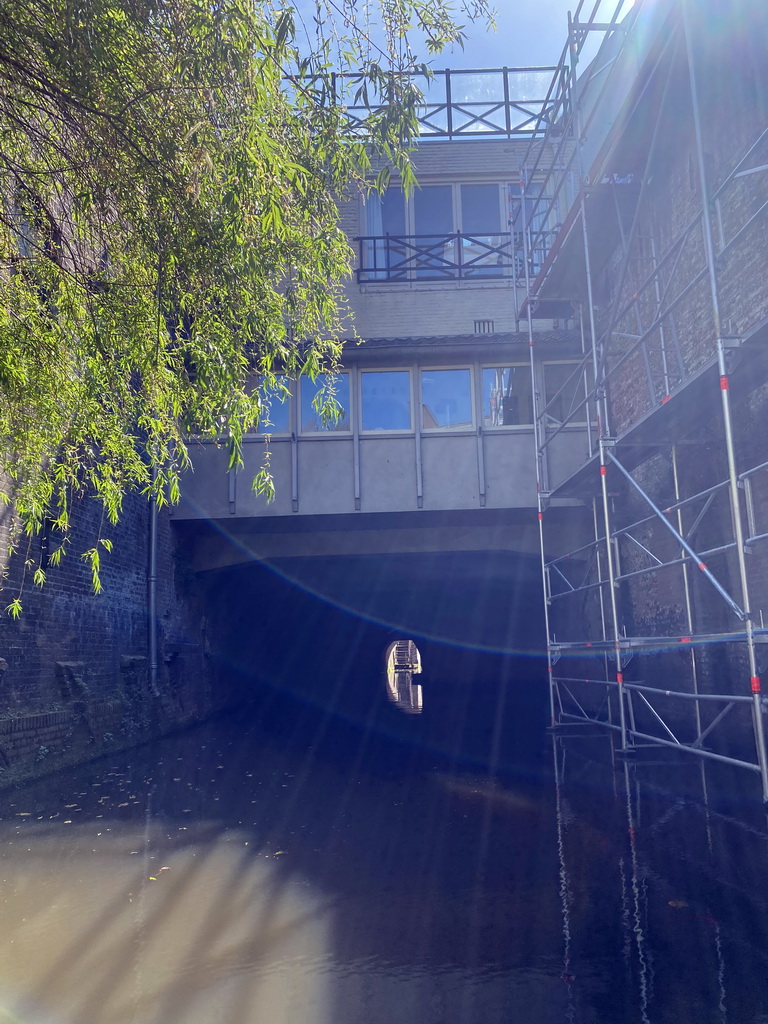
{"x":587,"y":198}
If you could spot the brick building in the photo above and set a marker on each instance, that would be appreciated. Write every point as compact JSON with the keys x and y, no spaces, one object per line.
{"x":663,"y":252}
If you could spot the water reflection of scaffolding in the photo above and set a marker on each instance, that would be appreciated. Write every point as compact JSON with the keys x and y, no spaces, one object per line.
{"x":638,"y":917}
{"x":644,"y":386}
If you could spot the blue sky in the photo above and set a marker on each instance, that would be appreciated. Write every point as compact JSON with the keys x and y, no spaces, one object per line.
{"x":529,"y":33}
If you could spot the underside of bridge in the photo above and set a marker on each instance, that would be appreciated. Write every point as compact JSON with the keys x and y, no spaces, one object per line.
{"x":317,"y":629}
{"x":461,"y":578}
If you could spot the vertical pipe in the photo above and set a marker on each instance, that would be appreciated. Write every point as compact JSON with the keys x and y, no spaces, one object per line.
{"x":448,"y":104}
{"x":417,"y":436}
{"x":478,"y":397}
{"x":537,"y":449}
{"x":687,"y":590}
{"x":662,"y":332}
{"x":612,"y":588}
{"x":585,"y":384}
{"x":733,"y":480}
{"x":507,"y":106}
{"x":295,"y":417}
{"x":357,"y":410}
{"x":152,"y":587}
{"x":232,"y":490}
{"x":600,"y":589}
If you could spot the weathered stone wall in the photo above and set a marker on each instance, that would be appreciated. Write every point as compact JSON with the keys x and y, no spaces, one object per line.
{"x":75,"y":676}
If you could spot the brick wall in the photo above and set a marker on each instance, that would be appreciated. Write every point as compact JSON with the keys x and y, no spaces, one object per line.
{"x":733,"y":91}
{"x":75,"y":670}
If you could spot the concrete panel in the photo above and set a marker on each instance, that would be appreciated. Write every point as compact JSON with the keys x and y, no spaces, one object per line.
{"x":566,"y":453}
{"x":205,"y":489}
{"x":250,"y":504}
{"x":450,"y":471}
{"x":388,"y":474}
{"x":510,"y":470}
{"x":326,"y":476}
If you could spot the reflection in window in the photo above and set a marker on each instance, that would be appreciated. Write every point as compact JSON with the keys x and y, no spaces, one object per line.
{"x":385,"y":215}
{"x":385,"y":399}
{"x":433,"y":221}
{"x":446,"y":399}
{"x":276,"y":409}
{"x":481,"y":221}
{"x":507,"y":396}
{"x":326,"y":388}
{"x":568,"y":380}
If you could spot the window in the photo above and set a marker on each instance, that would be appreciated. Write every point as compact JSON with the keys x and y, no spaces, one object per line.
{"x":276,"y":408}
{"x":564,"y":392}
{"x":441,"y":232}
{"x":507,"y":400}
{"x":325,"y":389}
{"x":385,"y":400}
{"x":446,"y":399}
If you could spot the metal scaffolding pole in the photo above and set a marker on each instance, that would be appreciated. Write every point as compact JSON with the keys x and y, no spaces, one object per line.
{"x":687,"y":592}
{"x":736,"y":501}
{"x":612,"y":585}
{"x":538,"y":449}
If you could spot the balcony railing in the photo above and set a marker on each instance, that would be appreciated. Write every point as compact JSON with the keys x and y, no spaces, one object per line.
{"x":446,"y":257}
{"x":489,"y":103}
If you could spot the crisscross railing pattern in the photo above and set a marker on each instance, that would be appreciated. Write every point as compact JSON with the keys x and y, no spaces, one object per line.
{"x":435,"y":257}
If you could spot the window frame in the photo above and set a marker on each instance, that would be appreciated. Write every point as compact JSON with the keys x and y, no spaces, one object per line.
{"x":472,"y":428}
{"x":290,"y":402}
{"x":347,"y":432}
{"x":386,"y":432}
{"x":508,"y":364}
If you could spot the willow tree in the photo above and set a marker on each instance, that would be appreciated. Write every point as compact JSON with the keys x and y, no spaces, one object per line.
{"x":169,"y":175}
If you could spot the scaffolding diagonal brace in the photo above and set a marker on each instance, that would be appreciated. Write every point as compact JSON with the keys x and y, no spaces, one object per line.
{"x":735,"y":608}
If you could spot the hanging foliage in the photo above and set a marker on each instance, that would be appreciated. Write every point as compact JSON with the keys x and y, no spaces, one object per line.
{"x":169,"y":176}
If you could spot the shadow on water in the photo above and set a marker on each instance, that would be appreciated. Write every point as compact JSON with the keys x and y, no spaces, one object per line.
{"x":319,"y":857}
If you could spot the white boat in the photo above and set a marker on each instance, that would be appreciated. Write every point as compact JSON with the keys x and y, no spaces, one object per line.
{"x":403,"y":661}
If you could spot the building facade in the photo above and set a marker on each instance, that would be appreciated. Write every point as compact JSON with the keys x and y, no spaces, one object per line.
{"x":436,"y":392}
{"x":564,"y":330}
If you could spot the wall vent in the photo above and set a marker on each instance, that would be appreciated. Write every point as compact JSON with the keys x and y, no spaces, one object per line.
{"x":484,"y":327}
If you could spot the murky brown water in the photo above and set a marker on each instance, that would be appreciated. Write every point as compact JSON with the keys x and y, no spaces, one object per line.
{"x":298,"y":871}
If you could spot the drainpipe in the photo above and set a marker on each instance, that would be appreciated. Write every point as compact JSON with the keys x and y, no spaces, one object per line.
{"x":152,"y":589}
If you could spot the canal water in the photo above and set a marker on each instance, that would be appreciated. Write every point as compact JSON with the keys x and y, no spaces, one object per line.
{"x":289,"y":864}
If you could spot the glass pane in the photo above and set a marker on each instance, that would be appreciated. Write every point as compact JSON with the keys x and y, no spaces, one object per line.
{"x":276,"y":415}
{"x":478,"y":87}
{"x":385,"y":215}
{"x":385,"y":397}
{"x":480,"y":213}
{"x":565,"y":405}
{"x":446,"y":399}
{"x":433,"y":210}
{"x":484,"y":252}
{"x":434,"y":257}
{"x":507,"y":396}
{"x":393,"y":212}
{"x":311,"y":419}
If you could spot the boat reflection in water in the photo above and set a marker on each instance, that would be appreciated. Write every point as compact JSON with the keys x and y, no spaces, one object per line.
{"x":403,"y":662}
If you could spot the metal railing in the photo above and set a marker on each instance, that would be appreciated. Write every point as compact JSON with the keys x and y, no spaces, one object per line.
{"x":475,"y":104}
{"x":444,"y":257}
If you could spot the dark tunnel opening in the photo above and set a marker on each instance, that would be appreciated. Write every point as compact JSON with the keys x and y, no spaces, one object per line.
{"x":309,"y":637}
